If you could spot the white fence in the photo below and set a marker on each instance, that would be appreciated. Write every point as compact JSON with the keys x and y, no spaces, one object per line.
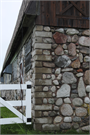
{"x":9,"y":104}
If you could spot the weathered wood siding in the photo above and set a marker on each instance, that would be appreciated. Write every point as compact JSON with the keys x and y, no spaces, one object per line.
{"x":64,"y":13}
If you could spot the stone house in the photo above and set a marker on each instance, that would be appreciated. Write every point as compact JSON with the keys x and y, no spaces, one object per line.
{"x":52,"y":39}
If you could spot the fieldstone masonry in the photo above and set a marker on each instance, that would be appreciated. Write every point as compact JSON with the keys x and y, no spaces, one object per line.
{"x":61,"y":80}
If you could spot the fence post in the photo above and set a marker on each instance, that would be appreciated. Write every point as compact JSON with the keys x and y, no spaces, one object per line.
{"x":28,"y":102}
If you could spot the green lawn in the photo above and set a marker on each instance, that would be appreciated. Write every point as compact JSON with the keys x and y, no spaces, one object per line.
{"x":25,"y":129}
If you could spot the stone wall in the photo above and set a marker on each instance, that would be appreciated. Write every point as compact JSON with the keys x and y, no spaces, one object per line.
{"x":61,"y":83}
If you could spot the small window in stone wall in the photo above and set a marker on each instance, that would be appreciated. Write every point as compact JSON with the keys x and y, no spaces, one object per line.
{"x":28,"y":56}
{"x":14,"y":70}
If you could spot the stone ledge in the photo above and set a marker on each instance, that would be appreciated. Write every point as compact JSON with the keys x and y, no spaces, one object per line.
{"x":51,"y":127}
{"x":43,"y":120}
{"x":37,"y":101}
{"x":43,"y":94}
{"x":42,"y":46}
{"x":43,"y":82}
{"x":42,"y":34}
{"x":37,"y":114}
{"x":42,"y":70}
{"x":36,"y":64}
{"x":43,"y":107}
{"x":38,"y":88}
{"x":37,"y":76}
{"x":37,"y":51}
{"x":43,"y":57}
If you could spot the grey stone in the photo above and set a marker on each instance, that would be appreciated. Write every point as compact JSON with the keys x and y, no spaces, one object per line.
{"x":53,"y":76}
{"x":43,"y":82}
{"x":81,"y":88}
{"x":59,"y":102}
{"x":69,"y":39}
{"x":43,"y":107}
{"x":42,"y":58}
{"x":81,"y":57}
{"x":45,"y":113}
{"x":62,"y":61}
{"x":42,"y":46}
{"x":57,"y":119}
{"x":74,"y":95}
{"x":50,"y":127}
{"x":86,"y":59}
{"x":88,"y":88}
{"x":61,"y":30}
{"x":75,"y":38}
{"x":85,"y":50}
{"x":76,"y":119}
{"x":81,"y":111}
{"x":53,"y":88}
{"x":53,"y":94}
{"x":47,"y":28}
{"x":48,"y":76}
{"x":67,"y":69}
{"x":85,"y":65}
{"x":67,"y":119}
{"x":55,"y":82}
{"x":68,"y":78}
{"x":56,"y":108}
{"x":79,"y":74}
{"x":72,"y":31}
{"x":64,"y":46}
{"x":52,"y":113}
{"x":54,"y":46}
{"x":43,"y":120}
{"x":74,"y":91}
{"x":77,"y":102}
{"x":67,"y":101}
{"x":66,"y":110}
{"x":86,"y":32}
{"x":47,"y":52}
{"x":57,"y":71}
{"x":65,"y":126}
{"x":43,"y":94}
{"x":75,"y":125}
{"x":38,"y":28}
{"x":45,"y":88}
{"x":86,"y":128}
{"x":74,"y":86}
{"x":64,"y":91}
{"x":84,"y":41}
{"x":66,"y":51}
{"x":48,"y":40}
{"x":45,"y":101}
{"x":87,"y":100}
{"x":59,"y":76}
{"x":43,"y":34}
{"x":51,"y":100}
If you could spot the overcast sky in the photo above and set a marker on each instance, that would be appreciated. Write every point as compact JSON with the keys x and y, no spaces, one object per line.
{"x":9,"y":10}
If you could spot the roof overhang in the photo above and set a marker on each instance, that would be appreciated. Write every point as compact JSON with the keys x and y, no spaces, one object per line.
{"x":27,"y":14}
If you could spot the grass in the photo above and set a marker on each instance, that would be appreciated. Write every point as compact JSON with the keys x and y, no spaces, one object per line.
{"x":27,"y":129}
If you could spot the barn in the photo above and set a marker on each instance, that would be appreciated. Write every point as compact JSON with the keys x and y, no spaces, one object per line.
{"x":51,"y":42}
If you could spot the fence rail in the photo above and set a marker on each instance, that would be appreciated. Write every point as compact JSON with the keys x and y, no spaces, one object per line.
{"x":9,"y":104}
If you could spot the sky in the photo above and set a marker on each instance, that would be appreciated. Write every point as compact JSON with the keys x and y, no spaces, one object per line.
{"x":9,"y":10}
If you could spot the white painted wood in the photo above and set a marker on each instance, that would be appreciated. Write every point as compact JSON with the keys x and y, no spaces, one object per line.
{"x":15,"y":103}
{"x":28,"y":102}
{"x":12,"y":109}
{"x":4,"y":121}
{"x":12,"y":86}
{"x":10,"y":104}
